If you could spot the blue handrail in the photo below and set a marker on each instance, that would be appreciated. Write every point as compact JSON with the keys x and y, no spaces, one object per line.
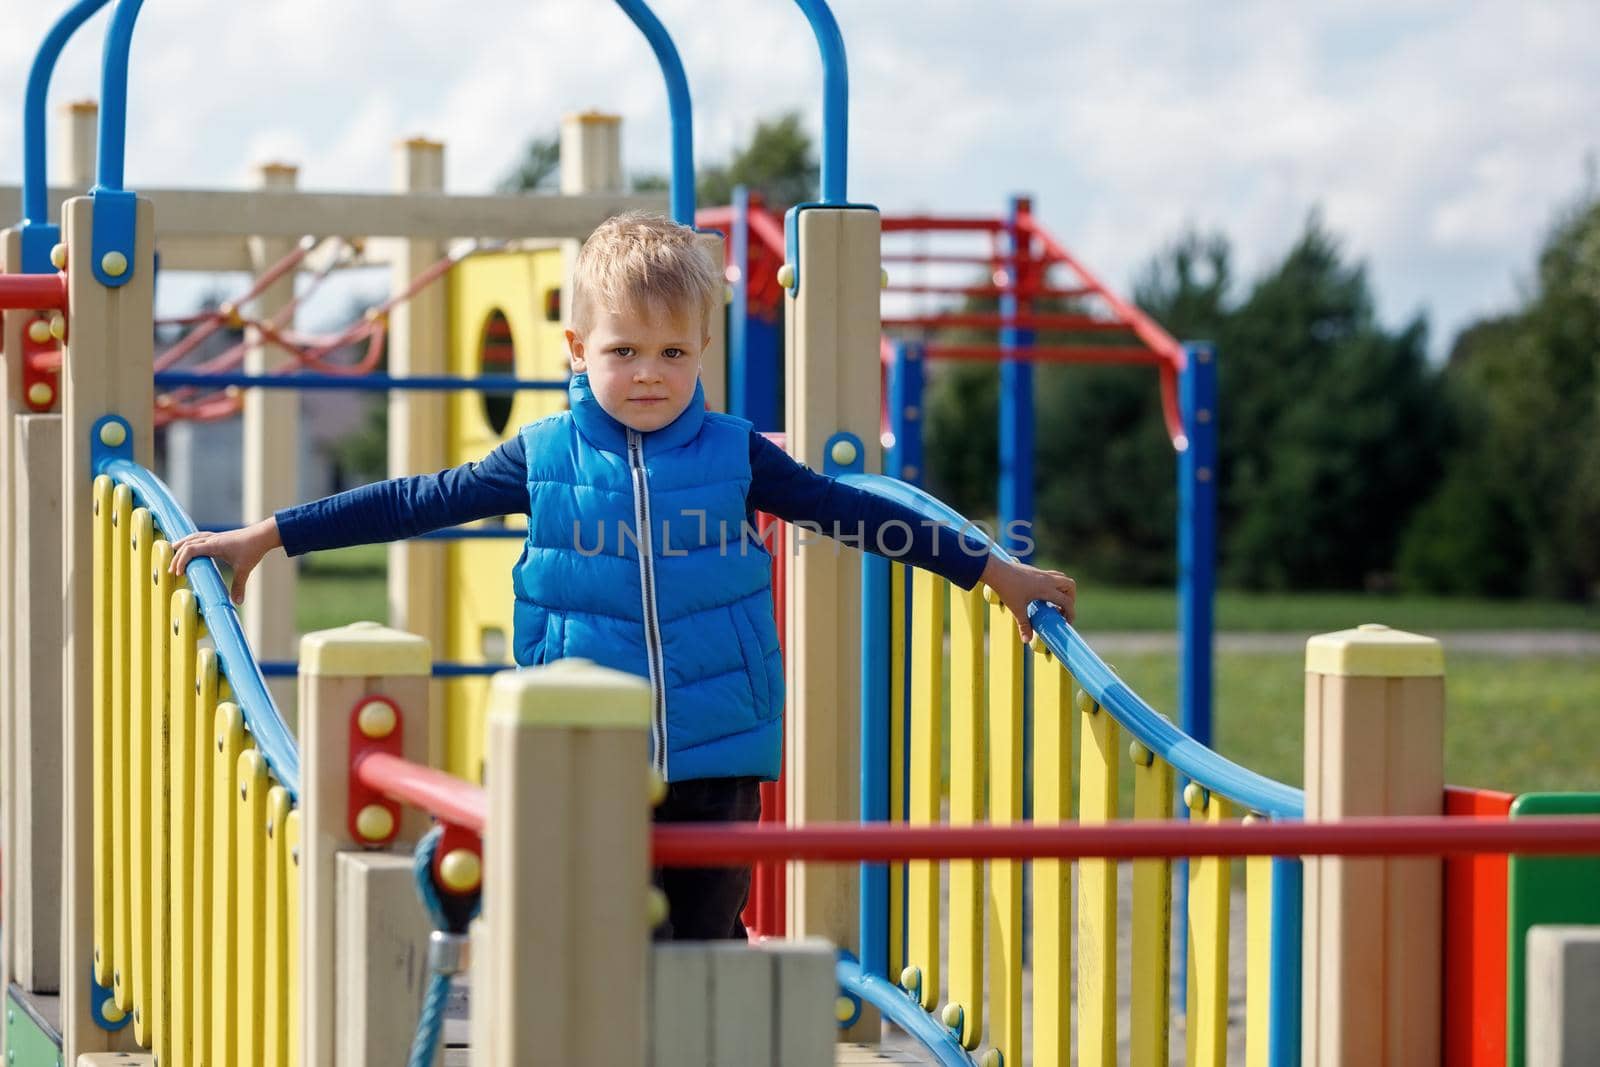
{"x":899,"y":1008}
{"x":682,"y":196}
{"x":35,"y":183}
{"x":272,"y":736}
{"x":114,"y":95}
{"x":835,"y":98}
{"x":1149,"y":727}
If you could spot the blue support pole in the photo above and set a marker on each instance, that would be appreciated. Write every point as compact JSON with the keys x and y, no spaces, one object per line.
{"x":1016,"y":400}
{"x":1197,"y":563}
{"x":905,"y":410}
{"x":874,"y":756}
{"x":1283,"y":1013}
{"x":682,"y":193}
{"x":835,"y":99}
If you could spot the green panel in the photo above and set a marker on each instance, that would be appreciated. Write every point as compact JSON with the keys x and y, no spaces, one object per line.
{"x":1542,"y":890}
{"x":28,"y":1043}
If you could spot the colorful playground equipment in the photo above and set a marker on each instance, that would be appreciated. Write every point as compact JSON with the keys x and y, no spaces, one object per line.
{"x":194,"y":876}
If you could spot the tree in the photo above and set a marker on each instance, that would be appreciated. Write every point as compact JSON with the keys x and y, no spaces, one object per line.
{"x":539,"y":169}
{"x":779,"y":164}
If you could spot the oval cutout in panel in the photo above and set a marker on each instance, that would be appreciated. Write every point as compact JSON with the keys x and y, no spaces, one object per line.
{"x":497,"y":355}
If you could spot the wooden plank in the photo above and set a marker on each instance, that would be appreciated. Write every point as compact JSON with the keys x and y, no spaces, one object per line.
{"x":1006,"y":654}
{"x":1206,"y":1028}
{"x":714,"y":363}
{"x":12,"y":324}
{"x":296,"y":968}
{"x":34,"y":788}
{"x":203,"y":720}
{"x":741,"y":1005}
{"x":228,"y":743}
{"x":160,"y":582}
{"x":140,"y":755}
{"x":250,"y":876}
{"x":1097,"y":889}
{"x":238,"y":214}
{"x":278,"y":934}
{"x":185,"y":738}
{"x":1258,"y":960}
{"x":1151,"y":958}
{"x":109,"y":350}
{"x":803,"y":973}
{"x":381,"y":966}
{"x":1052,"y":879}
{"x":121,"y":809}
{"x":680,"y":1005}
{"x":927,"y":774}
{"x":967,"y":715}
{"x":899,"y":676}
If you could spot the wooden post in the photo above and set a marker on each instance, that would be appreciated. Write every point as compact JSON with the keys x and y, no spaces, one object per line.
{"x":714,"y":367}
{"x":109,"y":350}
{"x":591,"y":162}
{"x":1374,"y":743}
{"x":418,"y":343}
{"x":832,"y":386}
{"x":381,"y":966}
{"x":567,"y":855}
{"x":339,"y":671}
{"x":79,"y":131}
{"x":33,"y":784}
{"x":271,"y":454}
{"x":12,"y":323}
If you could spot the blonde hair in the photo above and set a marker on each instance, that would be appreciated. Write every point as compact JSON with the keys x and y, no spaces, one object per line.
{"x":641,"y":262}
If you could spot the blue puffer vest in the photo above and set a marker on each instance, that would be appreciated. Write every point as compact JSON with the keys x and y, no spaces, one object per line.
{"x":625,"y":565}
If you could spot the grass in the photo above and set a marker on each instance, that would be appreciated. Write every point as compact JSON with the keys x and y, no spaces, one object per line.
{"x":1105,"y":608}
{"x":342,"y":586}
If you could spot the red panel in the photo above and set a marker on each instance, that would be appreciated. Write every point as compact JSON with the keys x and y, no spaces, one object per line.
{"x":1475,"y":941}
{"x":764,"y":914}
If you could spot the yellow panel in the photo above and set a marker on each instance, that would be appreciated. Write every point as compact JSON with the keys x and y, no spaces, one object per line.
{"x":1097,"y":891}
{"x":121,"y":751}
{"x":1052,"y":879}
{"x":180,"y":822}
{"x":897,"y":765}
{"x":291,"y":844}
{"x":927,"y":770}
{"x":227,"y":743}
{"x":1208,"y":943}
{"x":202,"y":721}
{"x":1006,"y":653}
{"x":160,"y":1003}
{"x":139,"y":539}
{"x":1152,"y":919}
{"x":250,"y":888}
{"x":478,"y":573}
{"x":966,"y":807}
{"x":1258,"y":959}
{"x":104,"y":832}
{"x":275,"y":1013}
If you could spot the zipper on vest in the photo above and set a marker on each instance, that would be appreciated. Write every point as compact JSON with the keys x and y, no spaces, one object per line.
{"x":647,"y":585}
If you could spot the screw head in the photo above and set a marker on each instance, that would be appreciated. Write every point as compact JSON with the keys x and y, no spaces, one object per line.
{"x":110,"y":1012}
{"x":786,"y":275}
{"x":911,"y":978}
{"x":953,"y":1016}
{"x":844,"y":1009}
{"x":655,"y":908}
{"x":114,"y":264}
{"x":113,"y":434}
{"x":58,"y":256}
{"x":374,"y":822}
{"x":58,"y":326}
{"x":39,"y":331}
{"x":376,"y":719}
{"x":1195,"y":796}
{"x":461,"y":870}
{"x":843,"y":453}
{"x":40,"y":395}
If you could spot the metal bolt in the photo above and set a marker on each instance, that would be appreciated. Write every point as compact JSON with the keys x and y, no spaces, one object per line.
{"x":112,"y":434}
{"x":114,"y":264}
{"x":376,"y":719}
{"x":843,"y":453}
{"x":58,"y":257}
{"x":1203,"y":474}
{"x":40,"y":394}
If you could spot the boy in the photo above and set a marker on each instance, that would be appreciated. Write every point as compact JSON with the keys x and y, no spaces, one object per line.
{"x":638,"y":500}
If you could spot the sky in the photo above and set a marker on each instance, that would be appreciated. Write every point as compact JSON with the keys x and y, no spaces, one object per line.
{"x":1438,"y":138}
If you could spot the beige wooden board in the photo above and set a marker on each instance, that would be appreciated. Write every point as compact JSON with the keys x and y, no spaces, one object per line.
{"x":714,"y":366}
{"x":805,"y":991}
{"x":107,"y":368}
{"x":741,"y":1005}
{"x":11,"y":326}
{"x":381,"y":966}
{"x":233,"y":214}
{"x":33,"y":785}
{"x":680,"y":1003}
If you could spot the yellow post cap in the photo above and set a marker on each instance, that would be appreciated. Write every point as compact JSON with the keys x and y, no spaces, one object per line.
{"x":364,"y":650}
{"x":570,"y":692}
{"x":1373,"y":650}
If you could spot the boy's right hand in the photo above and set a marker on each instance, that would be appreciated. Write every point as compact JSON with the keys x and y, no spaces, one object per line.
{"x":241,"y":549}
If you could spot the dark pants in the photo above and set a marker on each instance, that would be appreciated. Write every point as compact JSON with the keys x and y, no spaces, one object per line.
{"x":703,"y":903}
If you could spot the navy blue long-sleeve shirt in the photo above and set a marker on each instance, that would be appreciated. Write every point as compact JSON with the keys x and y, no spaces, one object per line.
{"x":498,"y":485}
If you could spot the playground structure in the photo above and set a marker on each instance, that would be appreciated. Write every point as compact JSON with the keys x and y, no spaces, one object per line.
{"x":224,"y":897}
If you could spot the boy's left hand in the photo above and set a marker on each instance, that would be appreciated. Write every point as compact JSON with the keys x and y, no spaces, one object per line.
{"x":1018,"y":585}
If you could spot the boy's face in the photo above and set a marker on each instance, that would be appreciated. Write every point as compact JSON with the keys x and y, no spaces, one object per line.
{"x":642,"y":367}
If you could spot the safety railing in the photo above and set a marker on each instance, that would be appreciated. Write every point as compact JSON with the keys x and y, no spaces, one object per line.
{"x":946,"y":710}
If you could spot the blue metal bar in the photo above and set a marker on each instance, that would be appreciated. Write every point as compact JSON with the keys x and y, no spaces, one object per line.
{"x":272,"y":736}
{"x":905,"y":409}
{"x":35,"y":183}
{"x":943,"y":1043}
{"x":1197,"y":521}
{"x":835,"y":99}
{"x":363,"y":383}
{"x":682,"y":196}
{"x":114,"y":95}
{"x":874,"y":755}
{"x":1149,"y":727}
{"x":449,"y":533}
{"x":1016,"y":399}
{"x":739,"y":399}
{"x":288,"y":668}
{"x":1283,"y":1015}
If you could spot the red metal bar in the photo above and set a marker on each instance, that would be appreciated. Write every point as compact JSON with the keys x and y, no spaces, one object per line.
{"x":1050,"y":354}
{"x":991,"y":290}
{"x":692,"y":845}
{"x":902,"y":223}
{"x":986,"y":320}
{"x":444,"y":796}
{"x":33,"y":292}
{"x":941,"y":257}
